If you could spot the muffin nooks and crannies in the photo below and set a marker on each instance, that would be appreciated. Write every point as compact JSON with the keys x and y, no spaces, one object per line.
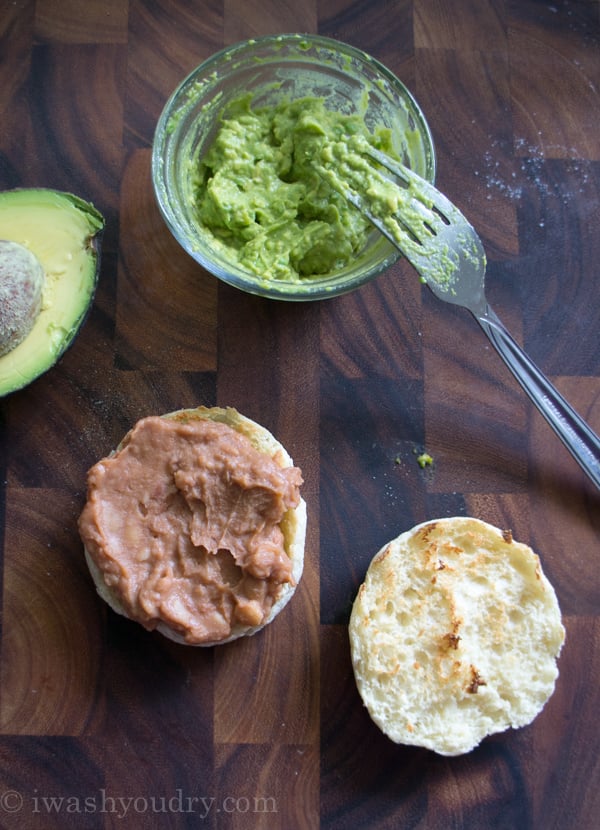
{"x":195,"y":525}
{"x":454,"y":635}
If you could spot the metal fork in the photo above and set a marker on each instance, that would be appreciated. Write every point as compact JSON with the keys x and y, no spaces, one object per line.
{"x":448,"y":254}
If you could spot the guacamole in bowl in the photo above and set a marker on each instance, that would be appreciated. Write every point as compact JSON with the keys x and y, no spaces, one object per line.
{"x":235,"y":161}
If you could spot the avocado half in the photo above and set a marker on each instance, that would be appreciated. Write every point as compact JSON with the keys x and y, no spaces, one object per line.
{"x":64,"y":232}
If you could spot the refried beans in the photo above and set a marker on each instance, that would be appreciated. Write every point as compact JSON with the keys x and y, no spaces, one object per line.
{"x":183,"y":522}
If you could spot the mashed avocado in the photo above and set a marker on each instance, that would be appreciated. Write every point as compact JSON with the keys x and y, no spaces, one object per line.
{"x":257,"y":190}
{"x":424,"y":460}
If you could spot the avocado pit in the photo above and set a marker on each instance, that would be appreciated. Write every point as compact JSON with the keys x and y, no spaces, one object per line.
{"x":21,"y":288}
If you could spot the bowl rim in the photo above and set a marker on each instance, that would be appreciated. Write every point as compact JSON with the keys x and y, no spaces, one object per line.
{"x":280,"y":289}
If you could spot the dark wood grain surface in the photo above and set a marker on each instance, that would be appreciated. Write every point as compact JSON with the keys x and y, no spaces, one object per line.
{"x":104,"y":725}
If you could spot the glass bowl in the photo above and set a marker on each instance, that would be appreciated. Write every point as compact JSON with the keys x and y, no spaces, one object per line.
{"x":272,"y":68}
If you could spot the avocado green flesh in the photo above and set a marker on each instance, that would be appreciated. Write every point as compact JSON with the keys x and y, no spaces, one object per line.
{"x":261,"y":200}
{"x":62,"y":231}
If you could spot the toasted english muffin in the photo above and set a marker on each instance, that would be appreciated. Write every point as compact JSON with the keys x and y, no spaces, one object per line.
{"x":454,"y":635}
{"x":108,"y":574}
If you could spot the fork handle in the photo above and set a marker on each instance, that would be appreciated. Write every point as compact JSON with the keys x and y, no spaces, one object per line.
{"x":573,"y":431}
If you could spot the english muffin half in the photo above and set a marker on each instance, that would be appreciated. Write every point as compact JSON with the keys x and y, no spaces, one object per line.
{"x":454,"y":635}
{"x":195,"y":526}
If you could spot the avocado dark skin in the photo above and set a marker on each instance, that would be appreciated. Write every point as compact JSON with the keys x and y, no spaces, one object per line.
{"x":61,"y":233}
